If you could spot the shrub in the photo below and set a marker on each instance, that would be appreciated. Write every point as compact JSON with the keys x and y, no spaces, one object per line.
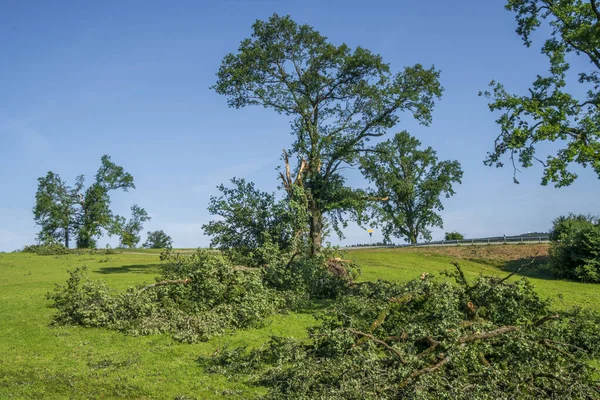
{"x":453,"y":236}
{"x":575,"y":249}
{"x":430,"y":339}
{"x":48,"y":249}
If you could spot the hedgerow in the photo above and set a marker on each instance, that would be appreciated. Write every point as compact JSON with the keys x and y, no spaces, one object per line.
{"x":430,"y":339}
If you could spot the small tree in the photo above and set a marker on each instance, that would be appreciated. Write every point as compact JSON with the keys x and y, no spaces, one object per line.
{"x":575,"y":249}
{"x":250,"y":219}
{"x":158,"y":240}
{"x":453,"y":236}
{"x":414,"y":181}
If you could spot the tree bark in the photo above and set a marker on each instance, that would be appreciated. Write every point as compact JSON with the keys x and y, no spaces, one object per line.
{"x":316,"y":230}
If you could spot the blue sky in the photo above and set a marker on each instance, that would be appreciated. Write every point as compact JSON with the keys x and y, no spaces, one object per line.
{"x":132,"y":79}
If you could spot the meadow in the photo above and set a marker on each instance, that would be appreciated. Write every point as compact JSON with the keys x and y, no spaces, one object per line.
{"x":41,"y":361}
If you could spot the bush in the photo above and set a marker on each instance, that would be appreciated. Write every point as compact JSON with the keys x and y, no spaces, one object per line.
{"x":430,"y":339}
{"x":158,"y":240}
{"x":453,"y":236}
{"x":196,"y":297}
{"x":318,"y":277}
{"x":48,"y":249}
{"x":575,"y":249}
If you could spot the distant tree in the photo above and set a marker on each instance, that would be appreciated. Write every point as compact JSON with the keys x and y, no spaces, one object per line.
{"x":158,"y":240}
{"x":414,"y":181}
{"x":453,"y":236}
{"x":249,"y":219}
{"x":554,"y":109}
{"x":129,"y":231}
{"x":338,"y":99}
{"x":96,"y":214}
{"x":56,"y":208}
{"x":63,"y":211}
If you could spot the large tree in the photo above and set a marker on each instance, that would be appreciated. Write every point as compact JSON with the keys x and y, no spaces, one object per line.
{"x":56,"y":208}
{"x":337,"y":98}
{"x":558,"y":106}
{"x":414,"y":180}
{"x":63,"y":211}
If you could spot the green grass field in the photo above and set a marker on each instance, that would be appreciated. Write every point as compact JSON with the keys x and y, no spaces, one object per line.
{"x":39,"y":361}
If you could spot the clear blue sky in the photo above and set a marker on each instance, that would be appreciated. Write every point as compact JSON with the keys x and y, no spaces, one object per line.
{"x":131,"y":79}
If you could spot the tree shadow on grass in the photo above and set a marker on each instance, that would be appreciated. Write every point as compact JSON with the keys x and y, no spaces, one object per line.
{"x":131,"y":269}
{"x":535,"y":267}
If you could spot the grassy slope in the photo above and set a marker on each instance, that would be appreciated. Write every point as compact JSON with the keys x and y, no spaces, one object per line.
{"x":406,"y":264}
{"x":41,"y":362}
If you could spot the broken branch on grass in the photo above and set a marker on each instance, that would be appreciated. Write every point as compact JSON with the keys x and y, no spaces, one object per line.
{"x":487,"y":335}
{"x":423,"y":371}
{"x":546,"y":318}
{"x":433,"y":344}
{"x":381,"y":342}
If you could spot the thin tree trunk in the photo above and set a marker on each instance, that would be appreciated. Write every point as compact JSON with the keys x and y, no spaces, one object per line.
{"x":67,"y":237}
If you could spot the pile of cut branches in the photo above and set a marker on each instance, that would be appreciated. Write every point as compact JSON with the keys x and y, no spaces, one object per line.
{"x":196,"y":297}
{"x":431,"y":339}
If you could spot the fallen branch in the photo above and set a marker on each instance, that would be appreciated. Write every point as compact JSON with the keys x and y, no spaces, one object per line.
{"x":550,"y":346}
{"x":545,"y":319}
{"x":167,"y":282}
{"x":433,"y":344}
{"x":381,"y":342}
{"x":426,"y":370}
{"x":487,"y":335}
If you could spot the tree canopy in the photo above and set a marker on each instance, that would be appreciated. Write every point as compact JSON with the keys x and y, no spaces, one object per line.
{"x":338,"y":99}
{"x":414,"y":180}
{"x":158,"y":240}
{"x":556,"y":108}
{"x":63,"y":211}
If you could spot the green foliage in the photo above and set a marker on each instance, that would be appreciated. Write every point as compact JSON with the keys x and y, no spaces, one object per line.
{"x":549,"y":113}
{"x":428,"y":339}
{"x":56,"y":206}
{"x":48,"y":249}
{"x":337,"y":98}
{"x":63,"y":211}
{"x":253,"y":225}
{"x":413,"y":180}
{"x":195,"y":298}
{"x":158,"y":240}
{"x":317,"y":277}
{"x":575,"y":251}
{"x":453,"y":236}
{"x":129,"y":232}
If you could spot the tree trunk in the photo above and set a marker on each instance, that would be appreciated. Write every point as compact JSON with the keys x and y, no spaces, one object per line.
{"x":316,"y":230}
{"x":67,"y":237}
